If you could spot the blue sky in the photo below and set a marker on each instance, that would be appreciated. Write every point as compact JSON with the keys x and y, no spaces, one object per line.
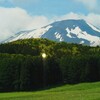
{"x":17,"y":15}
{"x":47,"y":7}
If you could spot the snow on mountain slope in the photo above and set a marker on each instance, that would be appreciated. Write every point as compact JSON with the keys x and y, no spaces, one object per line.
{"x":94,"y":40}
{"x":29,"y":34}
{"x":73,"y":31}
{"x":93,"y":27}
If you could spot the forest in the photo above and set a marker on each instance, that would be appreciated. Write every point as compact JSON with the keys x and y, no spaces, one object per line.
{"x":22,"y":67}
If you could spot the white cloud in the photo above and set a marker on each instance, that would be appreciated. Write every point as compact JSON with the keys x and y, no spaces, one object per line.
{"x":91,"y":18}
{"x":92,"y":5}
{"x":89,"y":3}
{"x":13,"y":20}
{"x":37,"y":22}
{"x":70,"y":15}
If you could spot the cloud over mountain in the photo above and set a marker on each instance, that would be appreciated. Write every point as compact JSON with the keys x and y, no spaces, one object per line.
{"x":13,"y":20}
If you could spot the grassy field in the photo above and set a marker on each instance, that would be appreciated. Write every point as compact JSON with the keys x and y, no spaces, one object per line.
{"x":84,"y":91}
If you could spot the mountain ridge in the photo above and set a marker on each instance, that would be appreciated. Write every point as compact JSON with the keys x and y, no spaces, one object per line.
{"x":72,"y":31}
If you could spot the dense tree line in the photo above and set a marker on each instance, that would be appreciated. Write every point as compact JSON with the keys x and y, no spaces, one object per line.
{"x":22,"y":66}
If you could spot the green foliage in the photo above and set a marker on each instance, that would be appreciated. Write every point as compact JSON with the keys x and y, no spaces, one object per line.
{"x":22,"y":66}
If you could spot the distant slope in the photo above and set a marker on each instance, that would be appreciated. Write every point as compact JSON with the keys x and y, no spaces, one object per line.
{"x":73,"y":31}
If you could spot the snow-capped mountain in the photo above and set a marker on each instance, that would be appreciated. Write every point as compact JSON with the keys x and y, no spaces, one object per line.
{"x":73,"y":31}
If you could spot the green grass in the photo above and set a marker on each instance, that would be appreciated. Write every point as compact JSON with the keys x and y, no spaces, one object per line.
{"x":84,"y":91}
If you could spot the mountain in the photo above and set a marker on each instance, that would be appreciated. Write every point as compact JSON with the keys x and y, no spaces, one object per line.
{"x":73,"y":31}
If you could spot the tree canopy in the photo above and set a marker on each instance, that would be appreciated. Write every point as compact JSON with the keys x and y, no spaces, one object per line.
{"x":22,"y":67}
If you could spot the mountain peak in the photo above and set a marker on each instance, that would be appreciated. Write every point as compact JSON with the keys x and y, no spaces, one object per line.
{"x":70,"y":22}
{"x":72,"y":30}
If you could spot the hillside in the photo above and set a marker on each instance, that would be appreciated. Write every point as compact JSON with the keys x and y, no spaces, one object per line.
{"x":35,"y":47}
{"x":86,"y":91}
{"x":22,"y":67}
